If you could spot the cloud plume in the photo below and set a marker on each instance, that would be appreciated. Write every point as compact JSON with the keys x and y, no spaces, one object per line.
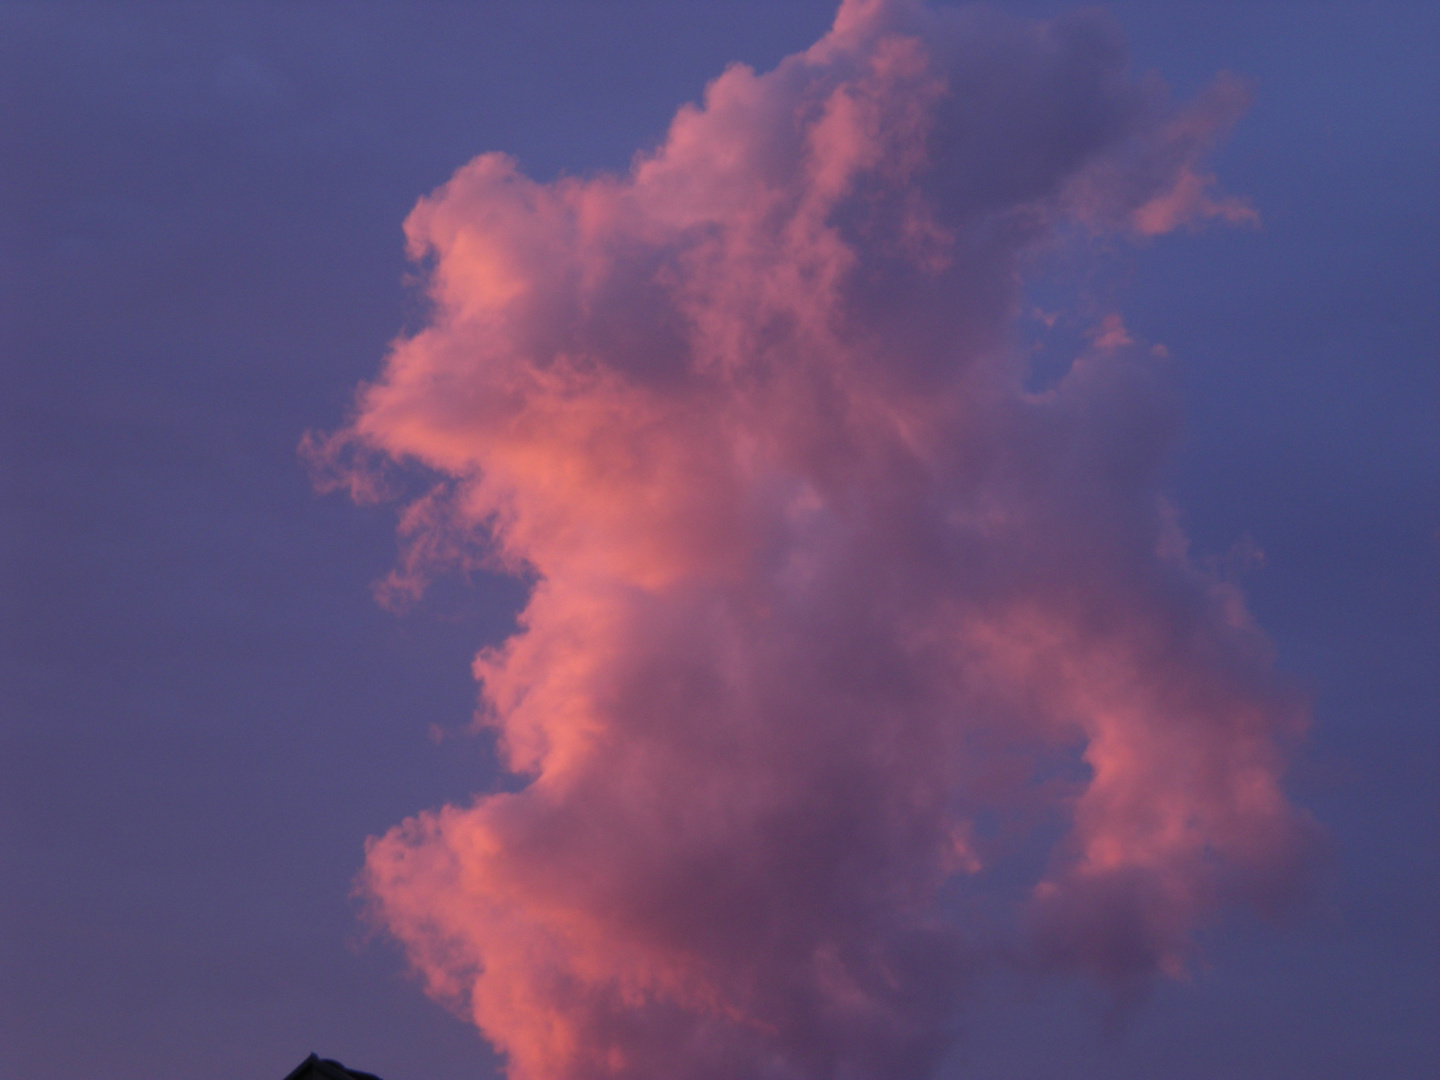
{"x":849,"y":661}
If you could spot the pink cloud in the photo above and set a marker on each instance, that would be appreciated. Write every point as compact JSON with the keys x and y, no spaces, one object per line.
{"x":822,"y":593}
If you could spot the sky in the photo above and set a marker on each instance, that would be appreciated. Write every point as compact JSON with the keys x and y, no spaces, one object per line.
{"x":1215,"y":416}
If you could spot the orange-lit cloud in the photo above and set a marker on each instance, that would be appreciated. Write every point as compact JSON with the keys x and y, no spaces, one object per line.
{"x":831,"y":615}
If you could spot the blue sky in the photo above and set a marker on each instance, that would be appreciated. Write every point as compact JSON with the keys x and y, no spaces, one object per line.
{"x":206,"y":714}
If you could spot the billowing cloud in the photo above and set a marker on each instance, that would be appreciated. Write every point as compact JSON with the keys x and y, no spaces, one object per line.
{"x":850,"y":662}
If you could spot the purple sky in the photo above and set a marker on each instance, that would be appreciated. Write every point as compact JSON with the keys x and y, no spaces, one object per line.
{"x":206,"y":714}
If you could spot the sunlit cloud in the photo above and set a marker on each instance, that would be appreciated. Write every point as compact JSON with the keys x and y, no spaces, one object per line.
{"x":832,"y":617}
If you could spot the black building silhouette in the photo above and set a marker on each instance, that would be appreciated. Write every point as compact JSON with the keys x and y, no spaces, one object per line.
{"x":318,"y":1068}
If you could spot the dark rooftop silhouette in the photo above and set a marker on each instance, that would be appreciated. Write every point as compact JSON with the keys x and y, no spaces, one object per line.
{"x":318,"y":1068}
